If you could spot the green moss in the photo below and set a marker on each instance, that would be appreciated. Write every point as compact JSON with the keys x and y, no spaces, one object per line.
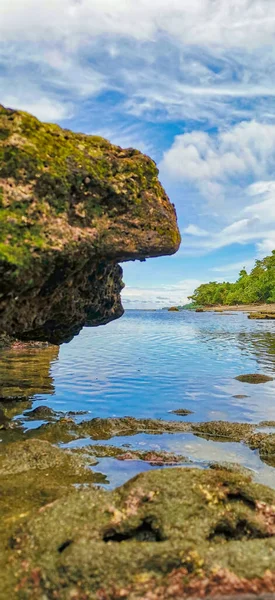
{"x":222,"y":429}
{"x":4,"y":133}
{"x":21,"y":164}
{"x":29,"y":480}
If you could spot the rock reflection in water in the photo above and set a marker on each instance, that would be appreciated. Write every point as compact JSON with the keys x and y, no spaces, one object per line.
{"x":25,"y":370}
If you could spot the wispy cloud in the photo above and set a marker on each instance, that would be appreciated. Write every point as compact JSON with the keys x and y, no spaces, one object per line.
{"x":205,"y":61}
{"x":162,"y":295}
{"x":233,"y":267}
{"x":232,"y":155}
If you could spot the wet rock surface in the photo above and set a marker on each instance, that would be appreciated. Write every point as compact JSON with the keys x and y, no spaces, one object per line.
{"x":168,"y":533}
{"x":174,"y":531}
{"x":33,"y":474}
{"x":72,"y":206}
{"x":66,"y":430}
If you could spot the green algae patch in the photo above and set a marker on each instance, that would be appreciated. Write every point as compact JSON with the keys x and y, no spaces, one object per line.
{"x":223,"y":429}
{"x":265,"y":443}
{"x":254,"y":378}
{"x":94,"y":544}
{"x":33,"y":474}
{"x":21,"y":457}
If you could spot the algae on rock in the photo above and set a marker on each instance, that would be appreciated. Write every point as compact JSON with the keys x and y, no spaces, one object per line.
{"x":71,"y":207}
{"x":95,"y":544}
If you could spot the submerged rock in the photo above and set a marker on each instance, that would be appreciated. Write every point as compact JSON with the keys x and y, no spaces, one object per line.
{"x":183,"y":412}
{"x":254,"y":378}
{"x":169,"y":533}
{"x":72,"y":206}
{"x":42,"y":413}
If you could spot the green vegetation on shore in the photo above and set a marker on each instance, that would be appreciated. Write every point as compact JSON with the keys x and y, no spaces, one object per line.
{"x":250,"y":288}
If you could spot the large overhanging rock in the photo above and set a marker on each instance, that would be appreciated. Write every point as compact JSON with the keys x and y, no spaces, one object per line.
{"x":72,"y":206}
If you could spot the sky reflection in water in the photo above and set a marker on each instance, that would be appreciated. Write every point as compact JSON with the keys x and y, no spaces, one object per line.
{"x":149,"y":363}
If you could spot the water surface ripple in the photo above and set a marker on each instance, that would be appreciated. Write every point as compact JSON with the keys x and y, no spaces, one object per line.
{"x":149,"y":363}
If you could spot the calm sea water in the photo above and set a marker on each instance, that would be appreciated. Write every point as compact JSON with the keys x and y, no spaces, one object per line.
{"x":147,"y":364}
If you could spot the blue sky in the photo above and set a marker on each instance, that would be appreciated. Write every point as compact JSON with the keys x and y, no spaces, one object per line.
{"x":189,"y":83}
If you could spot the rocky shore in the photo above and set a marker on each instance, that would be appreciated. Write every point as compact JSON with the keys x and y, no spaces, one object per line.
{"x":168,"y":533}
{"x":73,"y":207}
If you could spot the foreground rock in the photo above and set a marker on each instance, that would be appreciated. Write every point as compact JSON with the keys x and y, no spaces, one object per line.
{"x":72,"y":206}
{"x":33,"y":474}
{"x":165,"y":534}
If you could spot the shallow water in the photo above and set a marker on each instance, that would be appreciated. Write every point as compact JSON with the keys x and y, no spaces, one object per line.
{"x":147,"y":364}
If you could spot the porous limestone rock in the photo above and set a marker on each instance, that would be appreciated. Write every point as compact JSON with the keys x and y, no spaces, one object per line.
{"x":72,"y":207}
{"x":166,"y":534}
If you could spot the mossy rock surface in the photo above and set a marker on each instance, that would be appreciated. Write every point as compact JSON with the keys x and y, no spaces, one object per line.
{"x":71,"y":207}
{"x":33,"y":474}
{"x":94,"y":544}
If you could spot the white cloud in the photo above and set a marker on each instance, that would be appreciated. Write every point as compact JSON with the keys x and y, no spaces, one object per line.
{"x":232,"y":172}
{"x":127,"y":136}
{"x":234,"y":267}
{"x":246,"y":149}
{"x":201,"y":61}
{"x":195,"y":230}
{"x":203,"y":22}
{"x":157,"y":297}
{"x":266,"y":246}
{"x":46,"y":109}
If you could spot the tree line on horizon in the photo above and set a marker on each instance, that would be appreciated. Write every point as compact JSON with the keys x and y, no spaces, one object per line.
{"x":258,"y":286}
